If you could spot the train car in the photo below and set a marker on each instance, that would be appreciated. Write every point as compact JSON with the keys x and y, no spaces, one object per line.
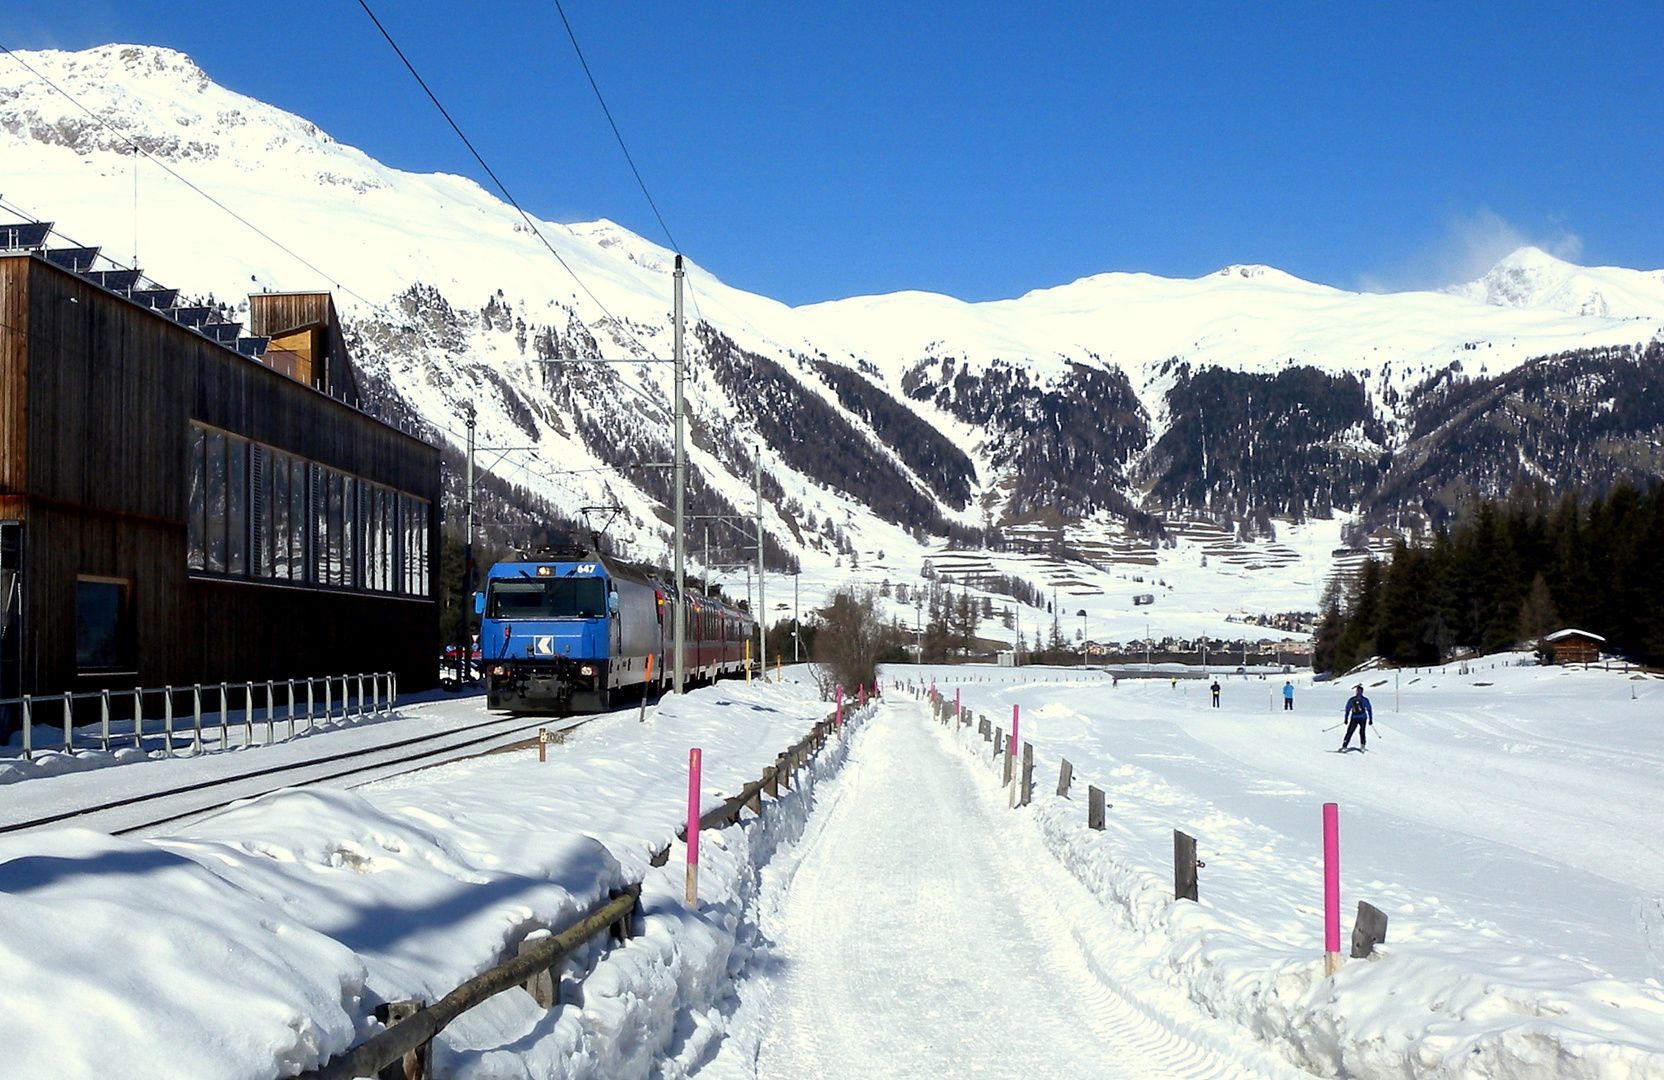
{"x":574,"y":633}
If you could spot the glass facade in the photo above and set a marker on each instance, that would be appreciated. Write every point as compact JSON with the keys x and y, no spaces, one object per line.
{"x":258,"y":513}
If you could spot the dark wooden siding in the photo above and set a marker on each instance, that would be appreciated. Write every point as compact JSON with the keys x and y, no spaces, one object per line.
{"x":14,"y":367}
{"x":111,"y":391}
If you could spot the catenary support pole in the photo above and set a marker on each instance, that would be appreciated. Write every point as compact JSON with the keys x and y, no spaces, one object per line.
{"x":679,"y":633}
{"x":465,"y":647}
{"x":762,"y":606}
{"x":1331,"y":887}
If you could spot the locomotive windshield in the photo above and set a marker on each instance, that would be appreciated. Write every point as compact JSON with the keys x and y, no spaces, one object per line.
{"x":559,"y":598}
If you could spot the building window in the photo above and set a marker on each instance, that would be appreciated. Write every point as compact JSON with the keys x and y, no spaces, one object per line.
{"x":216,"y":502}
{"x":100,"y":624}
{"x":259,"y":513}
{"x":196,"y":502}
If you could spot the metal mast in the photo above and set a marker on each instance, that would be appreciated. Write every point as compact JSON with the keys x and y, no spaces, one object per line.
{"x":466,"y":660}
{"x":679,"y":481}
{"x":762,"y":607}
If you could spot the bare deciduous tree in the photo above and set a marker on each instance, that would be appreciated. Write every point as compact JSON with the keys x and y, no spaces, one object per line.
{"x":850,"y":638}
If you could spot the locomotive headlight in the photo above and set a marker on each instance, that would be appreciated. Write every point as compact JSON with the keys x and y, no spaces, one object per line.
{"x":586,"y":670}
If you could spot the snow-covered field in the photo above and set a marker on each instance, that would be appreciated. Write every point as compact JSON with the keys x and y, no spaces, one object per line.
{"x":1505,"y":819}
{"x":256,"y":942}
{"x":894,"y":917}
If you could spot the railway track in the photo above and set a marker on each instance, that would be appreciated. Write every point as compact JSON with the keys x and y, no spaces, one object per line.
{"x":178,"y":803}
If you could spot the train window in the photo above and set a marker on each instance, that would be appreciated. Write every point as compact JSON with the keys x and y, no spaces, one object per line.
{"x":569,"y":598}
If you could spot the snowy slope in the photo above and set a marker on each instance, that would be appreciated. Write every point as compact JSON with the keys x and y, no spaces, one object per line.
{"x":1532,"y":278}
{"x":1246,"y":317}
{"x":1502,"y":818}
{"x":456,"y":303}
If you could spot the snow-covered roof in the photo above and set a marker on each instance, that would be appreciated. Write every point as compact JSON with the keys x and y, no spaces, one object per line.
{"x":1562,"y":635}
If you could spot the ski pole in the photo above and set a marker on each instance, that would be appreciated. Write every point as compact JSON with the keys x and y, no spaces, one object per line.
{"x":1332,"y":727}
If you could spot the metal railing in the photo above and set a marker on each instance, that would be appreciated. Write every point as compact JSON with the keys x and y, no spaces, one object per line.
{"x":130,"y":716}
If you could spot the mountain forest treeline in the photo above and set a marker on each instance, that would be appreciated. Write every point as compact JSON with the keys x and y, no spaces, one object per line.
{"x":1505,"y":574}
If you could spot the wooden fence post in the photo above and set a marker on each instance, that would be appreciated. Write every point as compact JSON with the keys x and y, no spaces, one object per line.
{"x":1094,"y":808}
{"x":1065,"y":777}
{"x":1185,"y":865}
{"x":1028,"y":775}
{"x":544,"y":987}
{"x":414,"y":1064}
{"x":1369,"y":931}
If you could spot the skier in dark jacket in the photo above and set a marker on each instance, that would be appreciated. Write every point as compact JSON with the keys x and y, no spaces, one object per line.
{"x":1215,"y":689}
{"x":1359,"y":714}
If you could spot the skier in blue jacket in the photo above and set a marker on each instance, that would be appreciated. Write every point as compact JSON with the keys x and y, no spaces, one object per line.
{"x":1359,"y":714}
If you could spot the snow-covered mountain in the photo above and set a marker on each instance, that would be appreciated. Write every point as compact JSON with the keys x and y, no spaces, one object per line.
{"x":1087,"y":420}
{"x":1532,"y":278}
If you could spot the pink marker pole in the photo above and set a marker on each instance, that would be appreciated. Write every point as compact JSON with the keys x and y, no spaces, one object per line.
{"x":1014,"y":728}
{"x":839,"y":720}
{"x":1331,"y":886}
{"x":693,"y":825}
{"x":956,"y":712}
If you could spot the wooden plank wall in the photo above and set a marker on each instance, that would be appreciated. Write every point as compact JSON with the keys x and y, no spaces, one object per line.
{"x":14,"y":368}
{"x":330,"y":370}
{"x":112,"y":388}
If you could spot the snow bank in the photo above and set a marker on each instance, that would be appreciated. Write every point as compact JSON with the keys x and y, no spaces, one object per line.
{"x":1449,"y":996}
{"x":258,"y":944}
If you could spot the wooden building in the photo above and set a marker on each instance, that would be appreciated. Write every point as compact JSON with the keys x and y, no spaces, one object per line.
{"x":173,"y":510}
{"x":1571,"y":646}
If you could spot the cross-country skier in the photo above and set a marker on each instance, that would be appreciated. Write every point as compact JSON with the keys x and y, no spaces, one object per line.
{"x":1288,"y":697}
{"x":1215,"y":689}
{"x":1359,"y":714}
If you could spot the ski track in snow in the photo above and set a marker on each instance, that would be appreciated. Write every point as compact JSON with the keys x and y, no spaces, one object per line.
{"x":919,"y":935}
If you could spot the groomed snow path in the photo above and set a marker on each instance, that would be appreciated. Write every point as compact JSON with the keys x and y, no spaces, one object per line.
{"x":917,"y":938}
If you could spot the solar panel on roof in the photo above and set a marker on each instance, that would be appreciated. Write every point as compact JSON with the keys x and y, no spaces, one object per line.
{"x":224,"y":332}
{"x":114,"y":280}
{"x":156,"y":298}
{"x":75,"y":260}
{"x":252,"y":346}
{"x":191,"y":316}
{"x":25,"y":237}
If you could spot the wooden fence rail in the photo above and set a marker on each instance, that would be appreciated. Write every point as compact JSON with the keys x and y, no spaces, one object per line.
{"x":402,"y":1047}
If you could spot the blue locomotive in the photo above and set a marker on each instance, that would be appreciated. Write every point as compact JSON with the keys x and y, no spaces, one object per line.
{"x":578,"y":633}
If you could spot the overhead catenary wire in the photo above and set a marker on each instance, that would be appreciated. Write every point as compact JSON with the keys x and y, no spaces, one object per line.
{"x":614,"y":125}
{"x":258,"y":231}
{"x":628,"y":157}
{"x":507,"y":195}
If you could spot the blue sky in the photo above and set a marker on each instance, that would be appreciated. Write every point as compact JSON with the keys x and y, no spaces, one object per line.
{"x":812,"y":151}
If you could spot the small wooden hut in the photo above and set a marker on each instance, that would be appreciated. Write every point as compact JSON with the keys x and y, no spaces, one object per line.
{"x":1571,"y":646}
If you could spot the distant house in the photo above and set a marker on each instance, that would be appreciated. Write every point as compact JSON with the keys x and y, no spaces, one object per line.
{"x":1571,"y":646}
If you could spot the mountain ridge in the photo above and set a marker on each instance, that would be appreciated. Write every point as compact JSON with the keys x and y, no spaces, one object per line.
{"x":1099,"y":404}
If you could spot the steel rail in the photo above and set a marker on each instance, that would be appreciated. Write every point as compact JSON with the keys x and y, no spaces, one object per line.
{"x":293,"y":767}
